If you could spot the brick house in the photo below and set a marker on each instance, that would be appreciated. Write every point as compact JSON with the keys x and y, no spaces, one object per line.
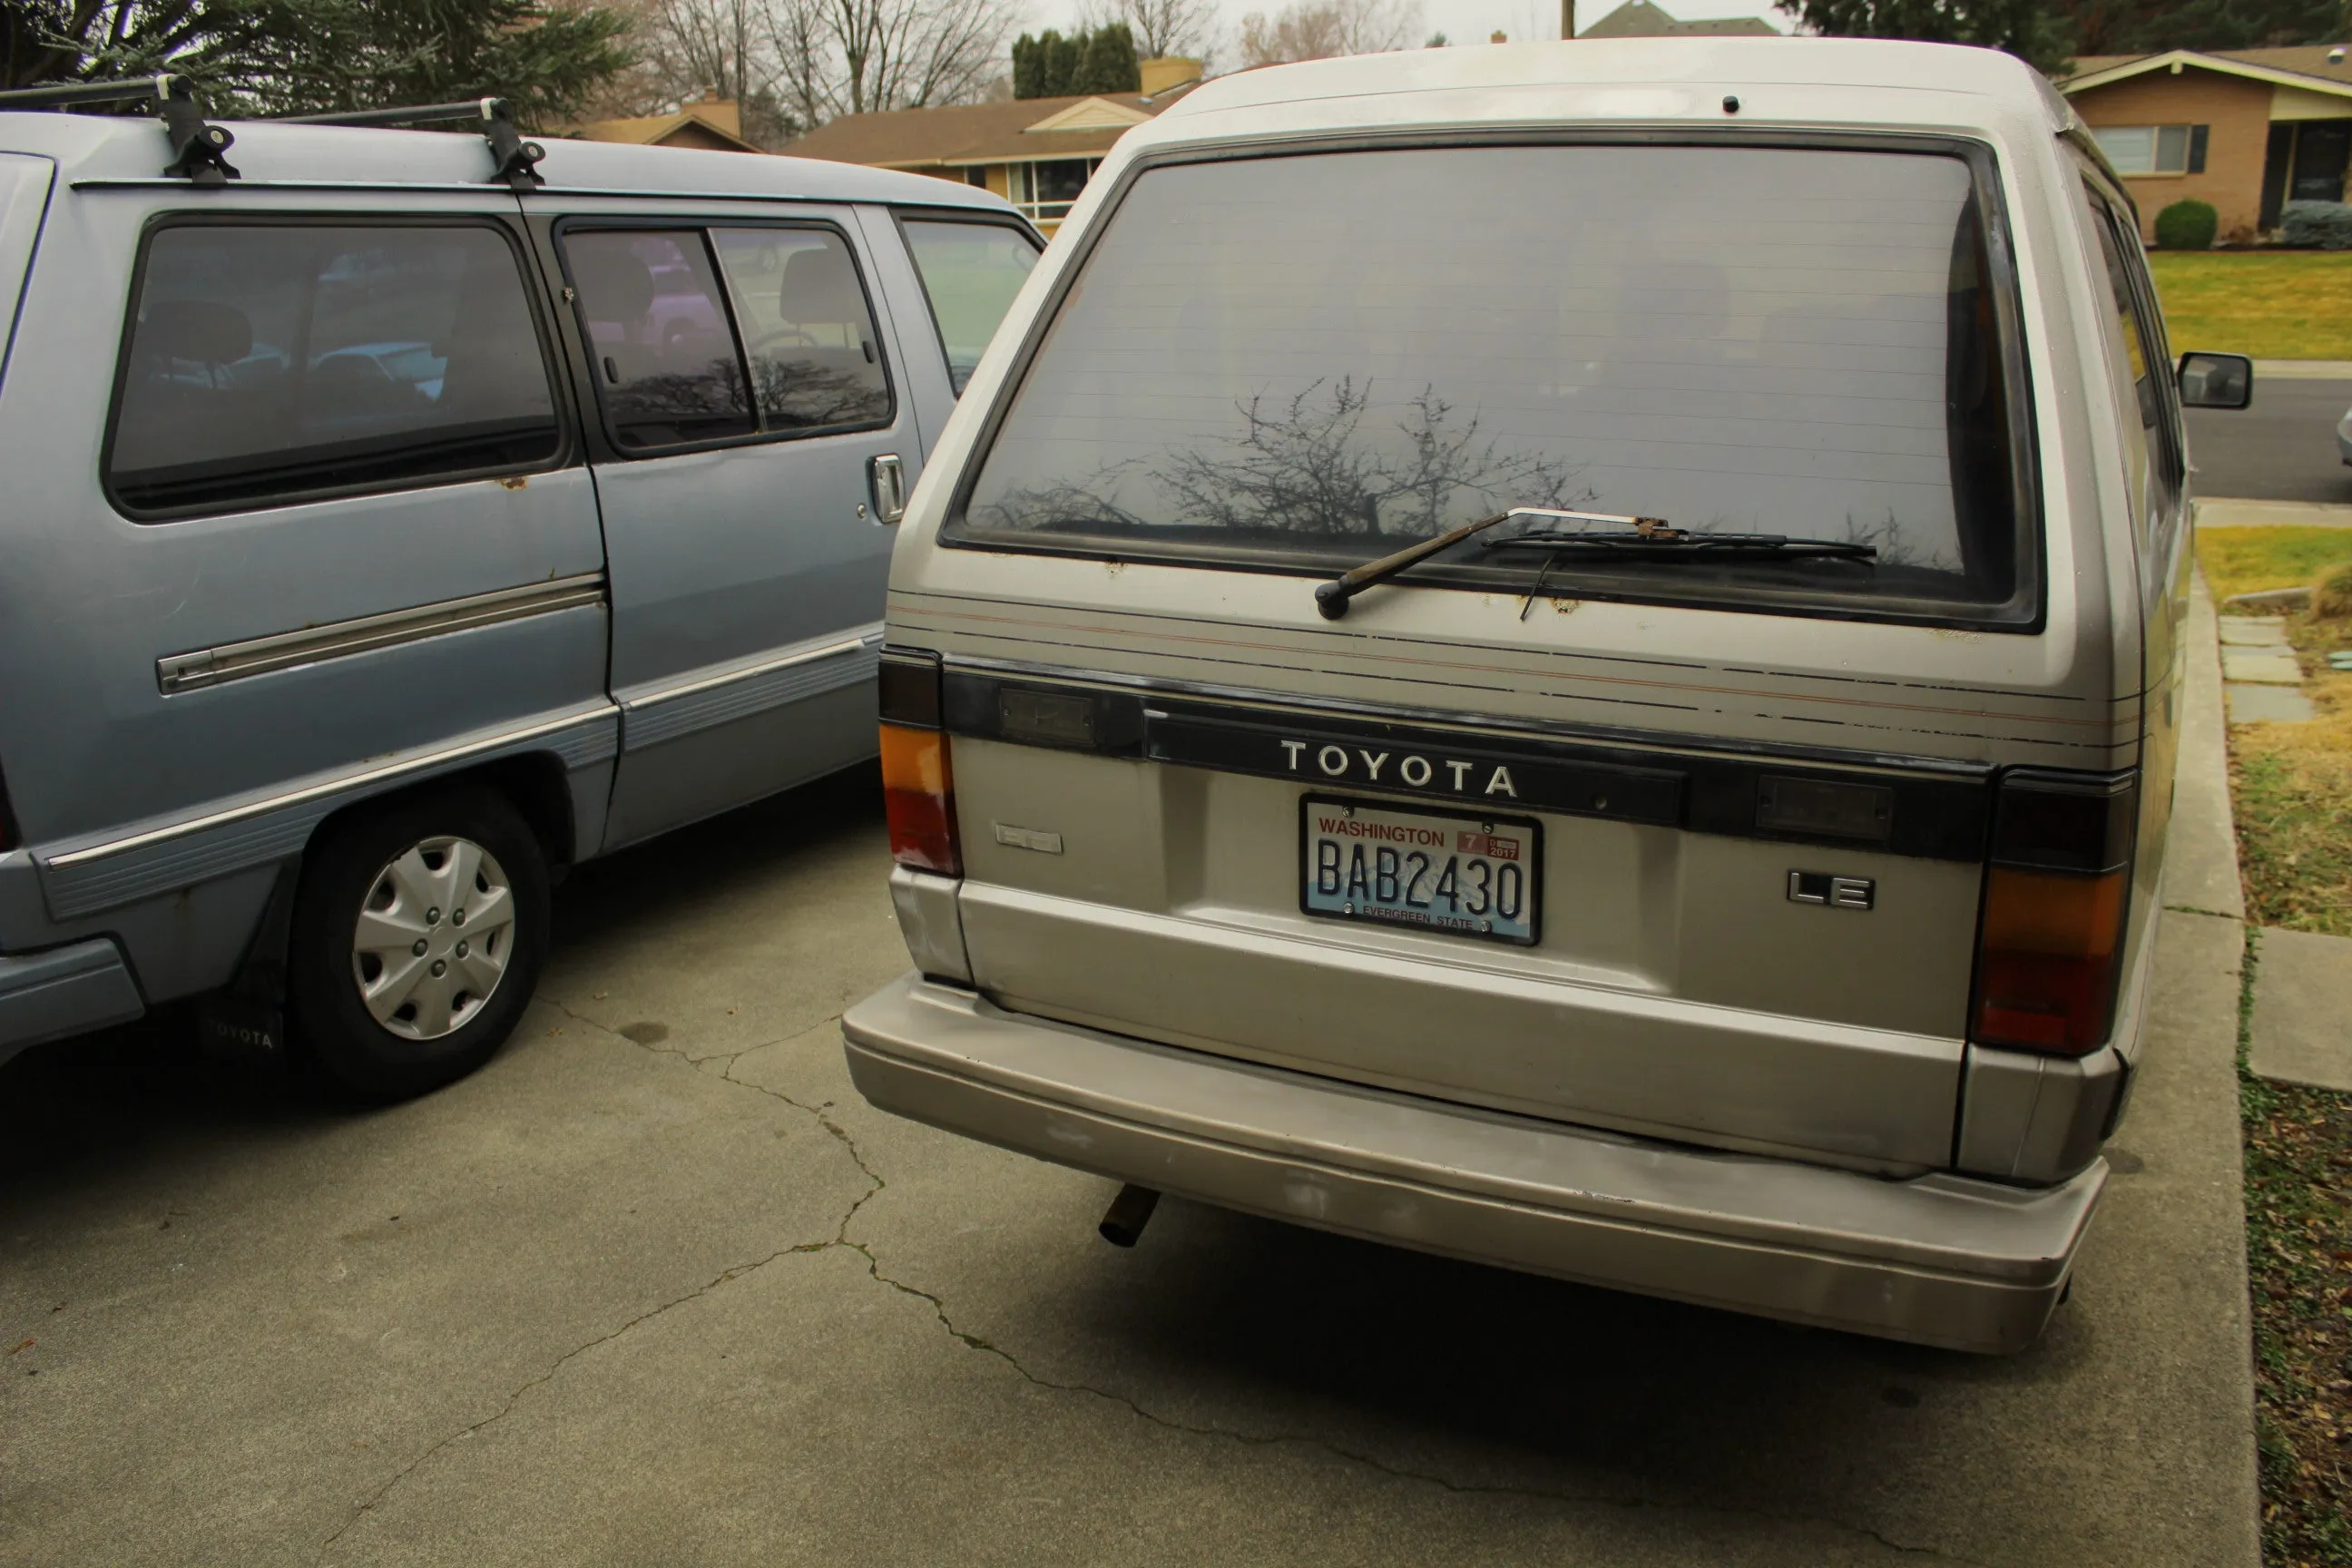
{"x":2246,"y":129}
{"x":1035,"y":152}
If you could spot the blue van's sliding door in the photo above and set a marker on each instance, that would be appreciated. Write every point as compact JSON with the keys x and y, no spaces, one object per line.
{"x":739,"y":358}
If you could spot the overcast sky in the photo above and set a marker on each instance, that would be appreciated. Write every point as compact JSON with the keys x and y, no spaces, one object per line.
{"x":1461,"y":21}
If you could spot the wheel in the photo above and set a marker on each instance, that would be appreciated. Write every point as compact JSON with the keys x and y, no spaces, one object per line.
{"x":419,"y":933}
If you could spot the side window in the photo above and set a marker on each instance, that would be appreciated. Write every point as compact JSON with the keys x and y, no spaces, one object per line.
{"x":2119,"y":293}
{"x":739,"y":331}
{"x":666,"y":365}
{"x":2135,"y":291}
{"x":970,"y":272}
{"x":809,"y":332}
{"x":271,"y":363}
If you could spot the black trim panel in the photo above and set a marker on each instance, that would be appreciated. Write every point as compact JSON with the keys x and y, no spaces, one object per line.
{"x":1921,"y":813}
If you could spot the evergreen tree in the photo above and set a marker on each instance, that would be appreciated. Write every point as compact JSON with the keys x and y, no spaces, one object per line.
{"x":2026,"y":28}
{"x":295,"y":56}
{"x":1051,"y":66}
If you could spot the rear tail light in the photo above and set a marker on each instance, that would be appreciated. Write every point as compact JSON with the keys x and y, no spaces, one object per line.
{"x":2051,"y":937}
{"x":918,"y":781}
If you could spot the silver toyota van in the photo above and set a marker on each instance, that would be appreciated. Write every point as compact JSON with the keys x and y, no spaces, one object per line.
{"x":395,"y":517}
{"x":1567,"y":655}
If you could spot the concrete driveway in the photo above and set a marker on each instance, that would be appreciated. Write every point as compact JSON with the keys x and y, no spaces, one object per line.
{"x":656,"y":1287}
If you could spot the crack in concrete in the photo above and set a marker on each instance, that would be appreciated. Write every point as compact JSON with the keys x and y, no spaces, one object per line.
{"x":724,"y":1276}
{"x":2193,"y":909}
{"x":841,"y":1239}
{"x":1369,"y":1461}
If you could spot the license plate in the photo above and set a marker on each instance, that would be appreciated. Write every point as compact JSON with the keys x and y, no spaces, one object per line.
{"x":1470,"y":875}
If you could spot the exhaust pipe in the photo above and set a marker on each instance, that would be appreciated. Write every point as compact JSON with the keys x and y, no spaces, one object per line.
{"x":1129,"y":1212}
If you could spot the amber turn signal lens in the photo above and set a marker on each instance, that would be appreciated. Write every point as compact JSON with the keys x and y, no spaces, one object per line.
{"x":918,"y":798}
{"x":2046,"y":961}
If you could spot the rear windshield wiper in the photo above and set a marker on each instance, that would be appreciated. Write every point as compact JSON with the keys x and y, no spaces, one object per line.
{"x":1331,"y":598}
{"x":1682,"y":544}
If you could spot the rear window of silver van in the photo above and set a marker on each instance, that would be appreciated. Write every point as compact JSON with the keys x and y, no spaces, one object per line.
{"x":1298,"y":362}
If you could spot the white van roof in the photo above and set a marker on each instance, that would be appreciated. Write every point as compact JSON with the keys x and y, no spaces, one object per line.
{"x":1779,"y":81}
{"x":90,"y":147}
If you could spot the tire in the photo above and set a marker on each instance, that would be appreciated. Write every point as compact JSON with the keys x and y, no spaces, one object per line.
{"x":387,"y":1021}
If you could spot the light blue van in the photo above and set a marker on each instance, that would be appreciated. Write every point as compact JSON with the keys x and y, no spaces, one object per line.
{"x":396,"y":516}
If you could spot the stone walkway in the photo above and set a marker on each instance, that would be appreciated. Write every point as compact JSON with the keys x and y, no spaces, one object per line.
{"x":2303,"y":1009}
{"x":2260,"y":674}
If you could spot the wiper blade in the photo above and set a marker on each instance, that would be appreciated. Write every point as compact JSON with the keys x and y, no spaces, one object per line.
{"x":1331,"y":598}
{"x":1682,"y":545}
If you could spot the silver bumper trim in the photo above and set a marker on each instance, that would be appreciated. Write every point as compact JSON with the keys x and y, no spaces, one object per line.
{"x":1939,"y":1259}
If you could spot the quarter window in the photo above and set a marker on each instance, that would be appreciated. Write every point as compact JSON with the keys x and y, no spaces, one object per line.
{"x":2153,"y":149}
{"x":970,"y":272}
{"x":699,"y":337}
{"x":270,"y":363}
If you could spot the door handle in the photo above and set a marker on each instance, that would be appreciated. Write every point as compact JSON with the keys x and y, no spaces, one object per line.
{"x":888,"y":477}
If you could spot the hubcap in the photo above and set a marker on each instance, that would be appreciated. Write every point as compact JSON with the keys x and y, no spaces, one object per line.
{"x":419,"y":975}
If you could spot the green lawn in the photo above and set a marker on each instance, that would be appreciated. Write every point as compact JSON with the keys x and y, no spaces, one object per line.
{"x":2277,"y":304}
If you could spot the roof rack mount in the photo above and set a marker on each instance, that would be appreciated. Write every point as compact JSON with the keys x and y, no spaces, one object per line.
{"x":515,"y":157}
{"x":197,"y":147}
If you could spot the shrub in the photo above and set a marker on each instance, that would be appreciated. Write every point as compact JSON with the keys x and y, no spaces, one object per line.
{"x":2188,"y":225}
{"x":2334,"y":596}
{"x":2324,"y":225}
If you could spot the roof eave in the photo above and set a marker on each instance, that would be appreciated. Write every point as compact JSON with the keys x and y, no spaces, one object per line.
{"x":2215,"y":63}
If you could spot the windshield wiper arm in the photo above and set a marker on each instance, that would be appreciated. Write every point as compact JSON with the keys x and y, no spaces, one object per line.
{"x":1331,"y":598}
{"x":1682,"y":544}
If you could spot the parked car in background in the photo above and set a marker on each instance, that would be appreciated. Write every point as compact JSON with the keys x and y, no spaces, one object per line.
{"x":1562,"y":655}
{"x":396,"y":523}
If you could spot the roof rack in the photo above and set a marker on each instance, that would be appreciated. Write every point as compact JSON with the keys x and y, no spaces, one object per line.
{"x":196,"y":146}
{"x":515,"y":157}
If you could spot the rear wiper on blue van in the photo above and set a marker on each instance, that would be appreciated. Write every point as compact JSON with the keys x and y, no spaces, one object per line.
{"x":1682,"y":545}
{"x":1331,"y":598}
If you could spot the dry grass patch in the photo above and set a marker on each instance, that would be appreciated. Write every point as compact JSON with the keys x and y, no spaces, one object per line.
{"x":2291,"y":788}
{"x":2249,"y":559}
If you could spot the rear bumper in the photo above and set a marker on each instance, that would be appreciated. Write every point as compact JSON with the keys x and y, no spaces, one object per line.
{"x":1939,"y":1259}
{"x":65,"y":991}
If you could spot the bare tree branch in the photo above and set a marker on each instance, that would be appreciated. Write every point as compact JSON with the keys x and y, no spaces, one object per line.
{"x":1321,"y":29}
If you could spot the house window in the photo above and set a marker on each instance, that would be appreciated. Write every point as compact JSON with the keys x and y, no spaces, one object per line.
{"x":2153,"y":149}
{"x":1044,"y":191}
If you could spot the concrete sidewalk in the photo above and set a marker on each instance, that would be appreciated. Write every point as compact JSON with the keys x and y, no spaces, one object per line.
{"x":2221,"y":511}
{"x":657,"y":1287}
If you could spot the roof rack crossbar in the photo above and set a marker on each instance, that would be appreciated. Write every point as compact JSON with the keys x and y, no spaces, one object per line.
{"x":197,"y":148}
{"x":515,"y":157}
